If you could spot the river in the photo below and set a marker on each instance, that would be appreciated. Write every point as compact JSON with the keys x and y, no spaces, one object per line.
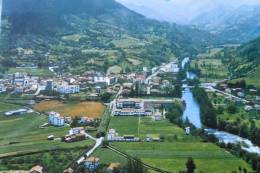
{"x":192,"y":113}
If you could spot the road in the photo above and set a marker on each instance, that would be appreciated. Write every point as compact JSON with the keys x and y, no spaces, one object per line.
{"x":155,"y":73}
{"x":98,"y":142}
{"x":207,"y":86}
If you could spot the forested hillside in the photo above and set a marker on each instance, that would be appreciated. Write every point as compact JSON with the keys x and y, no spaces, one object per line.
{"x":92,"y":34}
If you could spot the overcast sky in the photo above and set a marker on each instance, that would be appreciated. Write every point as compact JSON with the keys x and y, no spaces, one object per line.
{"x":181,"y":11}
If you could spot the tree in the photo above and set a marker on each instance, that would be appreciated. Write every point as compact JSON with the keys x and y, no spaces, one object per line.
{"x":232,"y":109}
{"x":105,"y":97}
{"x":190,"y":165}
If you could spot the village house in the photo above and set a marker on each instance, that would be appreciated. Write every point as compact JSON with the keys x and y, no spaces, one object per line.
{"x":68,"y":171}
{"x":75,"y":137}
{"x":112,"y":167}
{"x":77,"y":130}
{"x":91,"y":163}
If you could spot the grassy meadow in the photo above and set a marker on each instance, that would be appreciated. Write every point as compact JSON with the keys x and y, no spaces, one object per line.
{"x":172,"y":154}
{"x":212,"y":69}
{"x":21,"y":134}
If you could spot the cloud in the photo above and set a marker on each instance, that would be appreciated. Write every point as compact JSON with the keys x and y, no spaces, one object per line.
{"x":182,"y":11}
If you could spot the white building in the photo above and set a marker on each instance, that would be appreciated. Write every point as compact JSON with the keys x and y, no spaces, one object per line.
{"x":101,"y":80}
{"x":68,"y":89}
{"x":77,"y":130}
{"x":2,"y":88}
{"x":55,"y":119}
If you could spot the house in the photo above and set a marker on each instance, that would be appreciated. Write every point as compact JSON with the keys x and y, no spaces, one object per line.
{"x":248,"y":108}
{"x":55,"y":119}
{"x":36,"y":169}
{"x":16,"y":112}
{"x":91,"y":163}
{"x":187,"y":130}
{"x":75,"y":138}
{"x":112,"y":167}
{"x":77,"y":130}
{"x":241,"y":94}
{"x":68,"y":170}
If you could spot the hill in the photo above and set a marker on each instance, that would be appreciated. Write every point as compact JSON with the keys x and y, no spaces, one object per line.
{"x":92,"y":34}
{"x":232,"y":24}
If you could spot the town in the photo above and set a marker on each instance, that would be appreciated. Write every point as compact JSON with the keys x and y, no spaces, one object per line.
{"x":147,"y":95}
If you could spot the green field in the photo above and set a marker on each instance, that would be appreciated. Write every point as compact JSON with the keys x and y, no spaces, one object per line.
{"x":212,"y":69}
{"x":172,"y":154}
{"x":107,"y":156}
{"x":21,"y":134}
{"x":251,"y":79}
{"x":32,"y":71}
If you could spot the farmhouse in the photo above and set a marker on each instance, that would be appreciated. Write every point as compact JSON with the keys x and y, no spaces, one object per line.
{"x":75,"y":137}
{"x":55,"y":119}
{"x":16,"y":112}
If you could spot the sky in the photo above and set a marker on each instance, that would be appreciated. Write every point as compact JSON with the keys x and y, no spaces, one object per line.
{"x":182,"y":11}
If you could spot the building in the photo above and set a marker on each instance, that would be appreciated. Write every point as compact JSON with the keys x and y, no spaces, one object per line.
{"x":248,"y":108}
{"x":36,"y":169}
{"x":16,"y":112}
{"x":187,"y":130}
{"x":68,"y":89}
{"x":129,"y":103}
{"x":113,"y":136}
{"x":68,"y":171}
{"x":131,"y":112}
{"x":112,"y":167}
{"x":2,"y":88}
{"x":91,"y":163}
{"x":55,"y":119}
{"x":75,"y":137}
{"x":77,"y":130}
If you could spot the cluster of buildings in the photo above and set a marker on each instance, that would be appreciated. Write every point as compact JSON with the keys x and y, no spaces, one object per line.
{"x":19,"y":83}
{"x":140,"y":107}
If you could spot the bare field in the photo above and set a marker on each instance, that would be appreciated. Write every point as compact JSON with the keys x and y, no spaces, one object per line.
{"x":81,"y":109}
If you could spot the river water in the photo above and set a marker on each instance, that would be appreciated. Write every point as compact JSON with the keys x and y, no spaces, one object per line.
{"x":192,"y":113}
